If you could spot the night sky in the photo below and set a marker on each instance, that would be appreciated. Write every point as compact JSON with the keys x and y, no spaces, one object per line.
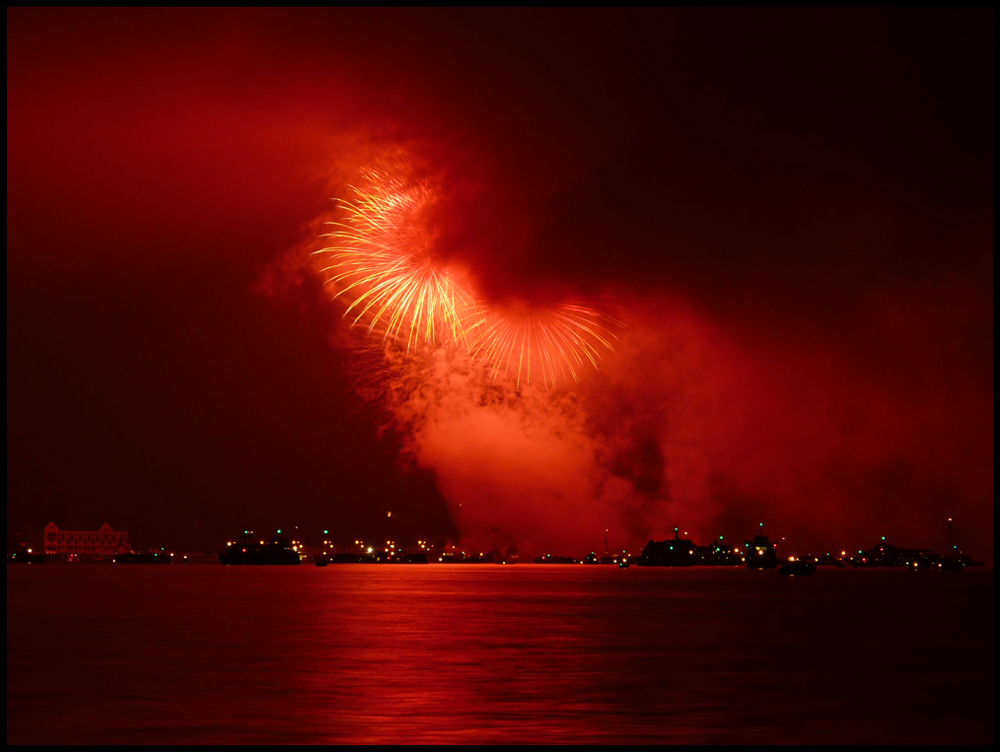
{"x":790,"y":212}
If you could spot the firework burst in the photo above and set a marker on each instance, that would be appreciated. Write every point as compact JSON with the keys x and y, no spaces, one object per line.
{"x":553,"y":344}
{"x":380,"y":262}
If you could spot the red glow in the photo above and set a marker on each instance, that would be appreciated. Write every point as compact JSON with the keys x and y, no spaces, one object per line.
{"x":802,"y":264}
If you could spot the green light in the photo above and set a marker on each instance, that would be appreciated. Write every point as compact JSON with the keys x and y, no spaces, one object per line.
{"x":279,"y":532}
{"x":326,"y":532}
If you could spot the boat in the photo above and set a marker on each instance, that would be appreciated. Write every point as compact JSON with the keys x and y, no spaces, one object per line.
{"x":799,"y":568}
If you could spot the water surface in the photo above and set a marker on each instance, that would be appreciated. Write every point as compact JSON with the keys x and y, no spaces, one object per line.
{"x":487,"y":653}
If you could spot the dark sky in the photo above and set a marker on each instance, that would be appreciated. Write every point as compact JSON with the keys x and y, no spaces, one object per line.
{"x":816,"y":187}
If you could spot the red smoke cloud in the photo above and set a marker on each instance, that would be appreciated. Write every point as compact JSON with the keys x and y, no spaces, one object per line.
{"x":791,"y":216}
{"x":828,"y":432}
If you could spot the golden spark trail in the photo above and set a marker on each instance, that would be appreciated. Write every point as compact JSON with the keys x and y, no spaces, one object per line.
{"x":556,"y":341}
{"x":380,"y":262}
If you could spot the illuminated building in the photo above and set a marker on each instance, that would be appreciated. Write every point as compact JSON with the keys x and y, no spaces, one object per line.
{"x":92,"y":544}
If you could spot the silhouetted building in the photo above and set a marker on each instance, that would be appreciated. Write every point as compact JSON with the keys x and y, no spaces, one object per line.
{"x":678,"y":552}
{"x":829,"y":560}
{"x":90,"y":544}
{"x":887,"y":555}
{"x":593,"y":558}
{"x":248,"y":551}
{"x":717,"y":554}
{"x":760,"y":553}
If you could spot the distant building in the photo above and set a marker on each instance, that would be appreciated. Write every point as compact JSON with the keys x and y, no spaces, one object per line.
{"x":88,"y":543}
{"x":760,"y":553}
{"x":887,"y":555}
{"x":679,"y":552}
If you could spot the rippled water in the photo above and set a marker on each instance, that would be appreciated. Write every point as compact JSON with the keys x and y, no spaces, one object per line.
{"x":489,"y":654}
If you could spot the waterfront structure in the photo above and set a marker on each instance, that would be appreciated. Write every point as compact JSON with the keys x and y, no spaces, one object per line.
{"x":887,"y":555}
{"x":760,"y":553}
{"x":717,"y":554}
{"x":248,"y":551}
{"x":90,"y":544}
{"x":679,"y":552}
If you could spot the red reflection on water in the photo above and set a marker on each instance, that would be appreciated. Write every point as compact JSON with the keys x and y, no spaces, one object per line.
{"x":481,"y":654}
